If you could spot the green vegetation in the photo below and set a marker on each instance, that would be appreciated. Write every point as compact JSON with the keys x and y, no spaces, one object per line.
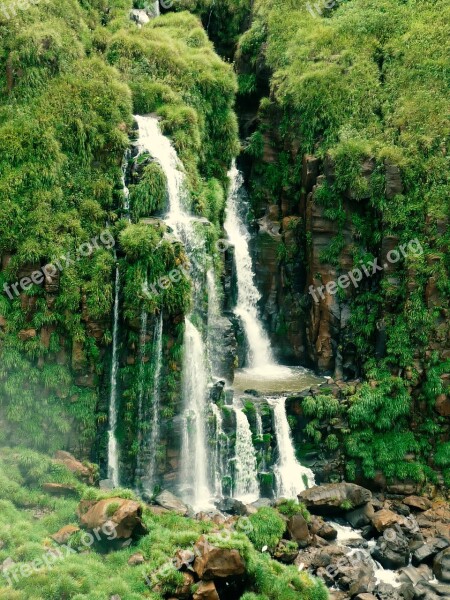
{"x":28,"y":518}
{"x":363,"y":88}
{"x":73,"y":74}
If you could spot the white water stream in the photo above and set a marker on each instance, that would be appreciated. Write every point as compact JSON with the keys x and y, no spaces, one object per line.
{"x":259,"y":350}
{"x":194,"y":479}
{"x":113,"y":449}
{"x":246,"y":486}
{"x":291,"y":477}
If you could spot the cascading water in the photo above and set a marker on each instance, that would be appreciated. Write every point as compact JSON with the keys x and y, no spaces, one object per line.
{"x":291,"y":477}
{"x":194,"y":479}
{"x":194,"y":462}
{"x":113,"y":449}
{"x":246,"y":486}
{"x":259,"y":350}
{"x":220,"y":452}
{"x":156,"y":400}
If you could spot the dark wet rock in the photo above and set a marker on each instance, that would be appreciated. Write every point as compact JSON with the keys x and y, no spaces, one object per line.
{"x":361,"y":516}
{"x":441,"y":566}
{"x":232,"y":506}
{"x":392,"y":551}
{"x":426,"y":552}
{"x":216,"y":391}
{"x":334,"y":498}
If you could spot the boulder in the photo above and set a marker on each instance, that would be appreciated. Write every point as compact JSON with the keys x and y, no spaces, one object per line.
{"x":136,"y":559}
{"x":232,"y":506}
{"x":122,"y":516}
{"x":212,"y":562}
{"x":169,"y":501}
{"x":286,"y":552}
{"x":334,"y":498}
{"x":426,"y":552}
{"x":441,"y":566}
{"x":298,"y":530}
{"x":321,"y":528}
{"x":206,"y":591}
{"x":417,"y":502}
{"x":183,"y":591}
{"x":385,"y":519}
{"x":59,"y":489}
{"x":361,"y":516}
{"x":392,"y":552}
{"x":84,"y":472}
{"x":435,"y":520}
{"x":62,"y":536}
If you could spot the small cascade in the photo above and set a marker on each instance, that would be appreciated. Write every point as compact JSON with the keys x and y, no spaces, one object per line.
{"x":156,"y":403}
{"x":142,"y":389}
{"x":195,"y":487}
{"x":259,"y":350}
{"x":291,"y":477}
{"x":194,"y":474}
{"x":220,"y":452}
{"x":113,"y":447}
{"x":246,"y":486}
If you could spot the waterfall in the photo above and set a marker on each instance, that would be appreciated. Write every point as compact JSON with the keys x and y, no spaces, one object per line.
{"x":141,"y":391}
{"x":194,"y":375}
{"x":218,"y":462}
{"x":194,"y":452}
{"x":156,"y":399}
{"x":260,"y":354}
{"x":290,"y":475}
{"x":246,"y":486}
{"x":113,"y":449}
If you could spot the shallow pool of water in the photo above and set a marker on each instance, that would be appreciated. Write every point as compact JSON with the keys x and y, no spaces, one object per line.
{"x":275,"y":379}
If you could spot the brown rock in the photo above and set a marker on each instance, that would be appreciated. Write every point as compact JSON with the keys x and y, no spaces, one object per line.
{"x":442,"y":405}
{"x":75,"y":466}
{"x":136,"y":559}
{"x":298,"y":530}
{"x":418,"y":502}
{"x":384,"y":519}
{"x":122,"y":515}
{"x":183,"y":592}
{"x":212,"y":562}
{"x":62,"y":536}
{"x":27,"y":334}
{"x":59,"y":489}
{"x":206,"y":591}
